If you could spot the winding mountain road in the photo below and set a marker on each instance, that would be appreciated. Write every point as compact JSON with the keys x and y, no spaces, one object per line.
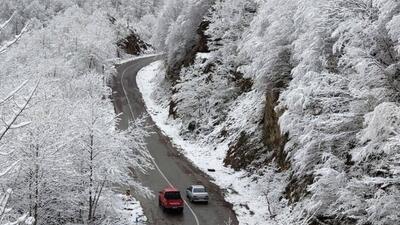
{"x":172,"y":168}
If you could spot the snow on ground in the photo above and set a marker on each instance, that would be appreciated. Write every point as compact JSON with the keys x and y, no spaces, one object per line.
{"x":245,"y":193}
{"x":129,"y":210}
{"x":118,"y":61}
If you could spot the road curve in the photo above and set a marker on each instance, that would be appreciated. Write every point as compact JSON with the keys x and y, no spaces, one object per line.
{"x":171,"y":166}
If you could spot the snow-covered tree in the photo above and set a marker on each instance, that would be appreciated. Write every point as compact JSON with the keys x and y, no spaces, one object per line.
{"x":10,"y":114}
{"x":208,"y":87}
{"x":342,"y":59}
{"x":103,"y":155}
{"x":176,"y":30}
{"x":327,"y":72}
{"x":4,"y":45}
{"x":58,"y":181}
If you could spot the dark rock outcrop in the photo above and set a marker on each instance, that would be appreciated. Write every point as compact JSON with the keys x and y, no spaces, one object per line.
{"x":274,"y":140}
{"x":132,"y":44}
{"x":200,"y":45}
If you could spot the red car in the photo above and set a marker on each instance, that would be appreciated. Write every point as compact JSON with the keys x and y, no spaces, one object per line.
{"x":170,"y":199}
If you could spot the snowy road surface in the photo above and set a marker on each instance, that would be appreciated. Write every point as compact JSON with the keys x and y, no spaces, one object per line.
{"x":173,"y":167}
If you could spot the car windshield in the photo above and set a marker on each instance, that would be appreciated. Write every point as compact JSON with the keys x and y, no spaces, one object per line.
{"x":199,"y":190}
{"x":172,"y":195}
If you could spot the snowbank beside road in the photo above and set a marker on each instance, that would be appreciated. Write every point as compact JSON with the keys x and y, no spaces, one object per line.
{"x":247,"y":194}
{"x":129,"y":210}
{"x":118,"y":61}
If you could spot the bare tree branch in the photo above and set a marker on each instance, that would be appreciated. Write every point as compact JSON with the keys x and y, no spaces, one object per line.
{"x":3,"y":25}
{"x":9,"y":168}
{"x":11,"y":94}
{"x":15,"y":117}
{"x":13,"y":41}
{"x":3,"y":203}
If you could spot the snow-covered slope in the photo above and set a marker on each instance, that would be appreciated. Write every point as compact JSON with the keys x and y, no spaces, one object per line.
{"x":307,"y":88}
{"x":248,"y":195}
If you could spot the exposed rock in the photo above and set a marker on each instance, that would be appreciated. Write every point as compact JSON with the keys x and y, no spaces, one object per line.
{"x":192,"y":126}
{"x":243,"y":84}
{"x":274,"y":140}
{"x":172,"y":109}
{"x":242,"y":153}
{"x":224,"y":133}
{"x":297,"y":188}
{"x":200,"y":45}
{"x":260,"y":150}
{"x":132,"y":44}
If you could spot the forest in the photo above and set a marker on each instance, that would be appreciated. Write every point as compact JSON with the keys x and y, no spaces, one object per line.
{"x":305,"y":92}
{"x":61,"y":154}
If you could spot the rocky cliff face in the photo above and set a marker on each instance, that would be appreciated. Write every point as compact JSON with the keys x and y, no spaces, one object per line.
{"x":198,"y":45}
{"x":273,"y":137}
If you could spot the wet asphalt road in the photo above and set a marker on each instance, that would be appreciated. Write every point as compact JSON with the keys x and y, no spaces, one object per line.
{"x":176,"y":168}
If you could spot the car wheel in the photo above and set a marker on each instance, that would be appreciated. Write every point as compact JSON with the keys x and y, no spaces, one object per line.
{"x":161,"y":206}
{"x":180,"y":211}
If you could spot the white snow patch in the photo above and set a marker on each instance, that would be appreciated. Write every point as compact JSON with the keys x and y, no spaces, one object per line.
{"x":247,"y":194}
{"x":129,"y":210}
{"x":118,"y":61}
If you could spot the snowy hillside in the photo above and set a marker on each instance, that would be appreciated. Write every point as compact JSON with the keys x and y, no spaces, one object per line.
{"x":60,"y":153}
{"x":308,"y":88}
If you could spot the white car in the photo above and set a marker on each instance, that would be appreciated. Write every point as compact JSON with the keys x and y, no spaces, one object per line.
{"x":197,"y":193}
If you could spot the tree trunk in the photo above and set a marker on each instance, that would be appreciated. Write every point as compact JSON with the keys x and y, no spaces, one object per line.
{"x":30,"y":192}
{"x":36,"y":203}
{"x":97,"y":196}
{"x":91,"y":201}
